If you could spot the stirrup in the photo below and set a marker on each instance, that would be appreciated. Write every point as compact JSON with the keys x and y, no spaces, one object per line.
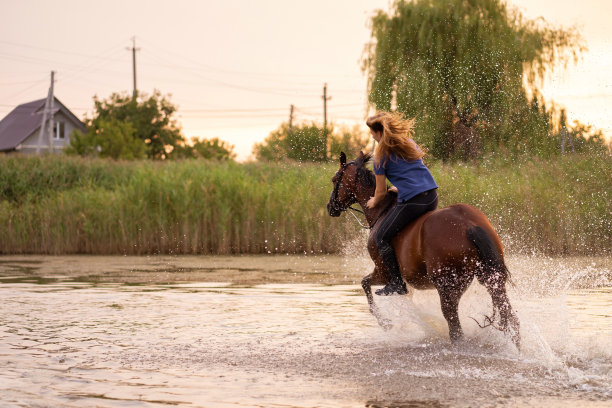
{"x":392,"y":288}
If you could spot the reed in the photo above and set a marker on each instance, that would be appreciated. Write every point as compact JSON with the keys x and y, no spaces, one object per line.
{"x":561,"y":206}
{"x":64,"y":205}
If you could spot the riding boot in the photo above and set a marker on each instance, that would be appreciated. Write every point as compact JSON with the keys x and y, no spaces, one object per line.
{"x":396,"y":285}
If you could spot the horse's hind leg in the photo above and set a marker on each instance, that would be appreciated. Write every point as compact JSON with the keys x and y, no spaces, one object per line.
{"x":509,"y":322}
{"x":366,"y":284}
{"x":493,"y":274}
{"x":450,"y":309}
{"x":493,"y":277}
{"x":451,"y":287}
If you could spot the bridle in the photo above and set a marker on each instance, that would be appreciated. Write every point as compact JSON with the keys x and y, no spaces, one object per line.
{"x":352,"y":197}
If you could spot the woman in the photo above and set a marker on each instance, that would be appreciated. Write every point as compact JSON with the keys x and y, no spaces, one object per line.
{"x":398,"y":158}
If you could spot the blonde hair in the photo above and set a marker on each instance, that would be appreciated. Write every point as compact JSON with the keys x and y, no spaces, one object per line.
{"x":396,"y":137}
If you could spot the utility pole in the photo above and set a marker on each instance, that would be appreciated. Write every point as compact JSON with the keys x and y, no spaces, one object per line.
{"x":134,"y":49}
{"x":291,"y":120}
{"x":48,"y":110}
{"x":325,"y":99}
{"x":51,"y":109}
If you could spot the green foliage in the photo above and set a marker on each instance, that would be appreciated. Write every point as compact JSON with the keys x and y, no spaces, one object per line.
{"x":209,"y":149}
{"x":350,"y":141}
{"x":310,"y":143}
{"x":559,"y":206}
{"x":107,"y":138}
{"x":468,"y":72}
{"x":29,"y":179}
{"x":178,"y":207}
{"x":151,"y":118}
{"x":583,"y":138}
{"x":61,"y":205}
{"x":303,"y":142}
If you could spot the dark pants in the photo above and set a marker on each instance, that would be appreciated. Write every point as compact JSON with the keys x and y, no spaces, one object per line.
{"x":398,"y":217}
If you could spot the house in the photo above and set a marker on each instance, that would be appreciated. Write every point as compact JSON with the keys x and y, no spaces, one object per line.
{"x":20,"y":129}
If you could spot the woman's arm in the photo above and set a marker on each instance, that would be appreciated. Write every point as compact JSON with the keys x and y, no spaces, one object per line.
{"x":380,"y":192}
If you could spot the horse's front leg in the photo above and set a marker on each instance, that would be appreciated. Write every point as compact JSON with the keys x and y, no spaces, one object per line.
{"x":366,"y":284}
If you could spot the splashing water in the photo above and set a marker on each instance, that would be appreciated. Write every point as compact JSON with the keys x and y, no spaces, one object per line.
{"x":565,"y":310}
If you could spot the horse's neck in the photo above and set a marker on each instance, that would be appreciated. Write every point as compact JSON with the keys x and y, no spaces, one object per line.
{"x":373,"y":214}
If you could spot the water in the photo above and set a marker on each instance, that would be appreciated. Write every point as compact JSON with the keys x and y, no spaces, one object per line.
{"x":291,"y":332}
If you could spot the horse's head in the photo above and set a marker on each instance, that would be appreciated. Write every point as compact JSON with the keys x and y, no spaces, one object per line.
{"x":346,"y":184}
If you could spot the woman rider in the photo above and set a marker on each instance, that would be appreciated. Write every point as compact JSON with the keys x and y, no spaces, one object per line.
{"x":398,"y":158}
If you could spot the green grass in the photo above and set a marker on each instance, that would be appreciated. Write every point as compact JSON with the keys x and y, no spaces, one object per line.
{"x":64,"y":205}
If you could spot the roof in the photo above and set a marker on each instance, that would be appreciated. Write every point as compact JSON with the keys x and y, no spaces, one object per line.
{"x":22,"y":121}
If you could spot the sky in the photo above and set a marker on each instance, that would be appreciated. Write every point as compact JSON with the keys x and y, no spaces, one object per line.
{"x":234,"y":67}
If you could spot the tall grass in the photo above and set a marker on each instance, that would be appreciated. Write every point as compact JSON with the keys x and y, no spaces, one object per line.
{"x":559,"y":206}
{"x":63,"y":205}
{"x":68,"y":205}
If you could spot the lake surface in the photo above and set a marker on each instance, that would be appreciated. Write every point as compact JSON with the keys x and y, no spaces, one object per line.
{"x":292,"y":331}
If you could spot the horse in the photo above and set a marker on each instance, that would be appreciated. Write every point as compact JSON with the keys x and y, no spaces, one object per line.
{"x":443,"y":249}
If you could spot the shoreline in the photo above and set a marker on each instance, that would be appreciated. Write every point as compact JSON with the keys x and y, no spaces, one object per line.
{"x":259,"y":269}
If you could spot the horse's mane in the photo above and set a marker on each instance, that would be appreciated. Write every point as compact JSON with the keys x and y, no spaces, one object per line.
{"x":367,"y":177}
{"x":363,"y":173}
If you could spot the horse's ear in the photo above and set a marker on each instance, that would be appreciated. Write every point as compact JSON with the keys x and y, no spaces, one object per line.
{"x":342,"y":158}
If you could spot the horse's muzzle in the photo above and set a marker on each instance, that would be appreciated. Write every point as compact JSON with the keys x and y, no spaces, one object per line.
{"x":333,"y":210}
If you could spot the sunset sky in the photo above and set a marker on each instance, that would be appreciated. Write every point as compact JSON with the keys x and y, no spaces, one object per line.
{"x":234,"y":67}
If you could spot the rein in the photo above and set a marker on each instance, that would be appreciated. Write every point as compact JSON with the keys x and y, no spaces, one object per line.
{"x":350,"y":207}
{"x":383,"y":212}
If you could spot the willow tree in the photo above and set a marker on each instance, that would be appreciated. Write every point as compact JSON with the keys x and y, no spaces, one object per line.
{"x":468,"y":71}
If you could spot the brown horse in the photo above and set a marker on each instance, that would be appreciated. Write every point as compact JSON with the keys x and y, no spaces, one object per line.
{"x":443,"y":249}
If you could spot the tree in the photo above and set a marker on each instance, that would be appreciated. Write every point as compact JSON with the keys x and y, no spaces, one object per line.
{"x":587,"y":139}
{"x":468,"y":71}
{"x":306,"y":143}
{"x":350,"y":141}
{"x":303,"y":142}
{"x":108,"y":138}
{"x":209,"y":149}
{"x":151,"y":117}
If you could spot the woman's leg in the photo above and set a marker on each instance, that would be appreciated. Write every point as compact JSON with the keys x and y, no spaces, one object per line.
{"x":398,"y":217}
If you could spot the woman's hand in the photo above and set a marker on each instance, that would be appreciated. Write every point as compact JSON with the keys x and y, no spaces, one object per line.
{"x":393,"y":188}
{"x":380,"y":192}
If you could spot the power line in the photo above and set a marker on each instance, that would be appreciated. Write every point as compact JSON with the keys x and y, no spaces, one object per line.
{"x":103,"y":55}
{"x":267,"y":124}
{"x":282,"y":92}
{"x":200,"y":65}
{"x":51,"y":50}
{"x":274,"y":115}
{"x":37,"y":83}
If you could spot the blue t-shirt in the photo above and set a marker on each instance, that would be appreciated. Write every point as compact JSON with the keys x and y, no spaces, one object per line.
{"x":410,"y":177}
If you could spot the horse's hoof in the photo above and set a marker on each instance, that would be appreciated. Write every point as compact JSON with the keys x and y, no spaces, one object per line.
{"x":516,"y":339}
{"x":385,"y":324}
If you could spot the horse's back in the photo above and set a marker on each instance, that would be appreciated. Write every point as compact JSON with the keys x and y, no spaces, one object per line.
{"x":446,"y":229}
{"x":439,"y":238}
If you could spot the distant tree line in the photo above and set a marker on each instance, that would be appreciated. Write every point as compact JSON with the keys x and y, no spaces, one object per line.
{"x":144,"y":128}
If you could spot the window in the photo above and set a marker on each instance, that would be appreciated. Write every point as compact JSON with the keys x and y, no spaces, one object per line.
{"x":59,"y":130}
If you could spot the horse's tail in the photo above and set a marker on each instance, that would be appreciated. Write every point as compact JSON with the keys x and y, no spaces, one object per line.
{"x":493,"y":268}
{"x":493,"y":273}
